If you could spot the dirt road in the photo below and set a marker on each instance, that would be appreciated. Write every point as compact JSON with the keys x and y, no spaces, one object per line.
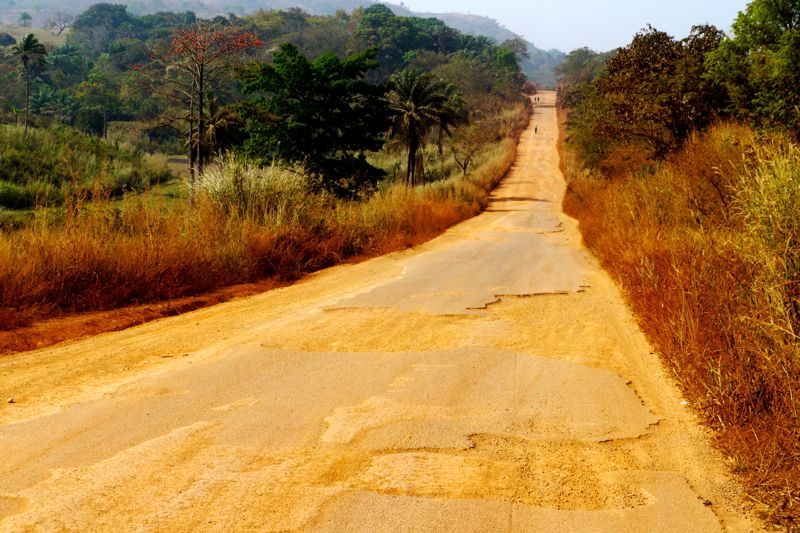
{"x":490,"y":380}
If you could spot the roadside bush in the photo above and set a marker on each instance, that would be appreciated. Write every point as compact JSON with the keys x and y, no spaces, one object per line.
{"x":707,"y":249}
{"x":28,"y":195}
{"x":271,"y":195}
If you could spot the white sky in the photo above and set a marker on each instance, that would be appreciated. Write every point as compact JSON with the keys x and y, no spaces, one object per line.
{"x":600,"y":25}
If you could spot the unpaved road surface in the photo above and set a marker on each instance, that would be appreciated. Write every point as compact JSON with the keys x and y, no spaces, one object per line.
{"x":490,"y":380}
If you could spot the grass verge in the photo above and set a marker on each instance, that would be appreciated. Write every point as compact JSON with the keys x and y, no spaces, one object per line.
{"x":249,"y":225}
{"x":53,"y":167}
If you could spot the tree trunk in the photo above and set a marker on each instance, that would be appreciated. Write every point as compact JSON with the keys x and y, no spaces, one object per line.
{"x":27,"y":97}
{"x":191,"y":150}
{"x":419,"y":167}
{"x":413,"y":146}
{"x":200,"y":119}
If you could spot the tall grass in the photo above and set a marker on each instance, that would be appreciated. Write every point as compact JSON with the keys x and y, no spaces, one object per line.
{"x":247,"y":224}
{"x":707,"y":248}
{"x":49,"y":166}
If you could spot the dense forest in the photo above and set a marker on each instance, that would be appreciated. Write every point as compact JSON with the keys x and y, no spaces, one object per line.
{"x":138,"y":80}
{"x":49,"y":14}
{"x":684,"y":171}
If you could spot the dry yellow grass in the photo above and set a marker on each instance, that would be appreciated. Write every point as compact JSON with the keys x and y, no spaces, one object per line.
{"x":707,"y":248}
{"x":46,"y":37}
{"x":107,"y":255}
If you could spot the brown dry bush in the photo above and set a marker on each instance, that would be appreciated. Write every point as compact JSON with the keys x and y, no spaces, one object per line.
{"x":707,"y":250}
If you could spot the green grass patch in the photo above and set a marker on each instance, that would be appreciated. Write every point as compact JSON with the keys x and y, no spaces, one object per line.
{"x":47,"y":167}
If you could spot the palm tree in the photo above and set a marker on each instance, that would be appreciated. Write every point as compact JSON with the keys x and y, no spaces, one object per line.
{"x":476,"y":45}
{"x":418,"y":104}
{"x":30,"y":52}
{"x":218,"y":127}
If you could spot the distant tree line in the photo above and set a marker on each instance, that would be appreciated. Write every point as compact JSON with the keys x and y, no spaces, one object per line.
{"x":650,"y":95}
{"x":315,"y":91}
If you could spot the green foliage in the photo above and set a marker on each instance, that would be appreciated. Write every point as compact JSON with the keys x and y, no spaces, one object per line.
{"x":95,"y":81}
{"x":44,"y":166}
{"x":474,"y":80}
{"x":398,"y":39}
{"x":760,"y":65}
{"x":648,"y":97}
{"x":67,"y":66}
{"x":57,"y":104}
{"x":97,"y":28}
{"x":418,"y":104}
{"x":31,"y":53}
{"x":320,"y":114}
{"x":655,"y":87}
{"x":576,"y":74}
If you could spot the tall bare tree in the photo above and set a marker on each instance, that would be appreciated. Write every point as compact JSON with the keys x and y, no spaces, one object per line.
{"x":59,"y":22}
{"x":186,"y":69}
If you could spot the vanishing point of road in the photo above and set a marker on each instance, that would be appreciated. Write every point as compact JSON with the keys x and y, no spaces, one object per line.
{"x":490,"y":380}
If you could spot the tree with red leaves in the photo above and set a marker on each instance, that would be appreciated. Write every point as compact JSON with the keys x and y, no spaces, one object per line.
{"x":187,"y":67}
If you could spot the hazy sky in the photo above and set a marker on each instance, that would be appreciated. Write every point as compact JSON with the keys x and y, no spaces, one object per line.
{"x":598,"y":24}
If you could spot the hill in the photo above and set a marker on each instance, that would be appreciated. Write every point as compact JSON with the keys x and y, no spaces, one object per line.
{"x":538,"y":67}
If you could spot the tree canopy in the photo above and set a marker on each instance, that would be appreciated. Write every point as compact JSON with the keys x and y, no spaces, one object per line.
{"x":144,"y":80}
{"x":650,"y":94}
{"x":760,"y":65}
{"x":321,"y":114}
{"x":418,"y":103}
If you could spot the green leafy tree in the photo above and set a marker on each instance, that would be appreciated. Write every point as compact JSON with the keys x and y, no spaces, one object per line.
{"x":99,"y":102}
{"x":57,"y":104}
{"x":653,"y":92}
{"x":418,"y":104}
{"x":31,"y":53}
{"x":399,"y":39}
{"x":638,"y":88}
{"x":321,"y":114}
{"x":760,"y":64}
{"x":67,"y":66}
{"x":576,"y":74}
{"x":96,"y":29}
{"x":476,"y":45}
{"x":475,"y":80}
